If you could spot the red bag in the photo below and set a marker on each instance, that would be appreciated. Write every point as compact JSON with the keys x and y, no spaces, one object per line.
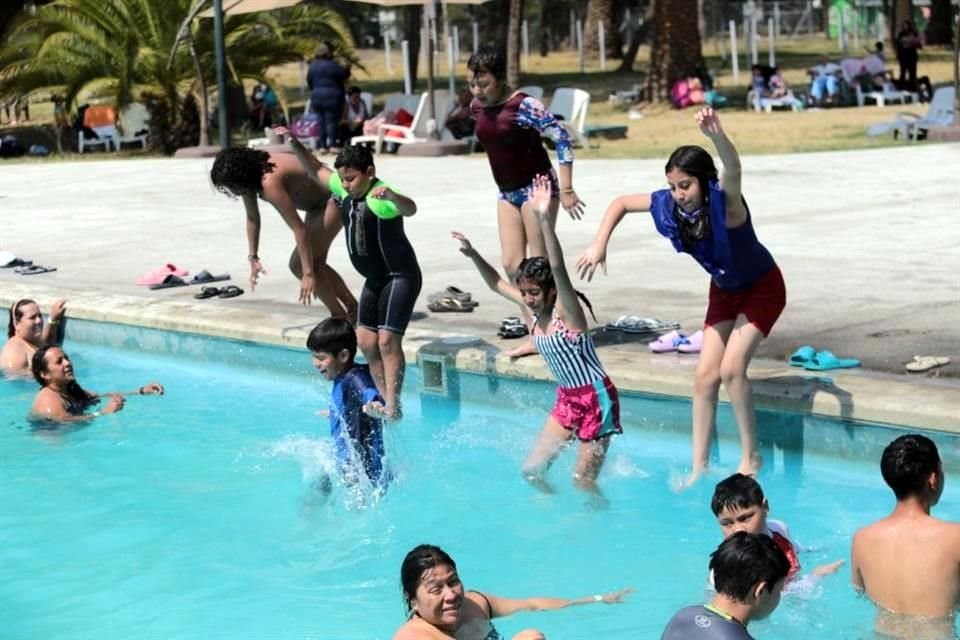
{"x":403,"y":118}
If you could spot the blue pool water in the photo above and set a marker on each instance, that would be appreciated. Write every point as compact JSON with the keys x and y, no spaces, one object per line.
{"x":189,"y":516}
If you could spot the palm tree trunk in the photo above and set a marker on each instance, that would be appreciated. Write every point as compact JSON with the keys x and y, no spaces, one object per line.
{"x":676,"y":49}
{"x":601,"y":11}
{"x":202,"y":99}
{"x":637,"y":35}
{"x":513,"y":42}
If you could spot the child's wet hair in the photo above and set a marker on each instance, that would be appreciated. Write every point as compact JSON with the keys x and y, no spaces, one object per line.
{"x":744,"y":560}
{"x":357,"y":157}
{"x":332,"y":336}
{"x":907,"y":463}
{"x":696,"y":162}
{"x":736,"y":492}
{"x":239,"y":171}
{"x":490,"y":60}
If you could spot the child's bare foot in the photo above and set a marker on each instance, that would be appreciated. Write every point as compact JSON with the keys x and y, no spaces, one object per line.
{"x":678,"y":484}
{"x":751,"y":466}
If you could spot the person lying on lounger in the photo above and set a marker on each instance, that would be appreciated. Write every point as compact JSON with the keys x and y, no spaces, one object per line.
{"x":62,"y":399}
{"x":26,"y":332}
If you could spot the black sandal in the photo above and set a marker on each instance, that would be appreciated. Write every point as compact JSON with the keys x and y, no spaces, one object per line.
{"x":207,"y":292}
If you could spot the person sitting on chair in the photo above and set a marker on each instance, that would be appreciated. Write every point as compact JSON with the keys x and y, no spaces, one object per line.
{"x":355,"y":113}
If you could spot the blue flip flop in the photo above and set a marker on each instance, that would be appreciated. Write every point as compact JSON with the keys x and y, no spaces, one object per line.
{"x":802,"y":356}
{"x":825,"y":360}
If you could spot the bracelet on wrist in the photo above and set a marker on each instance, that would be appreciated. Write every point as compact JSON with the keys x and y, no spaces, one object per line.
{"x":567,"y":190}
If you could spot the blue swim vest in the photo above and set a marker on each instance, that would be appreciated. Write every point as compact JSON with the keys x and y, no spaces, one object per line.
{"x":734,"y":258}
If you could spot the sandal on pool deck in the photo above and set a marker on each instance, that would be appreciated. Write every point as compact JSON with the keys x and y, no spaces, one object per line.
{"x":691,"y":344}
{"x":925,"y":363}
{"x":802,"y":356}
{"x":443,"y":305}
{"x":667,"y":342}
{"x":825,"y":361}
{"x":634,"y":324}
{"x":231,"y":291}
{"x":33,"y":269}
{"x":207,"y":292}
{"x":513,"y":331}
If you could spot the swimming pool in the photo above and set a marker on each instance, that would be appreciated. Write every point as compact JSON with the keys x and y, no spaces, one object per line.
{"x":190,"y":516}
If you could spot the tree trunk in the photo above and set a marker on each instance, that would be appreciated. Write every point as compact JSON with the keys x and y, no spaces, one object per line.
{"x":413,"y":22}
{"x":545,"y":28}
{"x":513,"y":42}
{"x":940,"y":28}
{"x":676,"y":51}
{"x":202,"y":98}
{"x":637,"y":34}
{"x":601,"y":11}
{"x":956,"y":75}
{"x":900,"y":10}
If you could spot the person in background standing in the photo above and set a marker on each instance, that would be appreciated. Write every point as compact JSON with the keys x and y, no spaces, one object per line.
{"x":325,"y":78}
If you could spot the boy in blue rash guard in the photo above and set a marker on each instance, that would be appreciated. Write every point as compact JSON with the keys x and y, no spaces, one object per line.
{"x":357,"y":436}
{"x":749,"y":571}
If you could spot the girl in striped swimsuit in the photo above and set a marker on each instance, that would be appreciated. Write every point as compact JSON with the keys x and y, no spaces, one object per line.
{"x":587,"y":406}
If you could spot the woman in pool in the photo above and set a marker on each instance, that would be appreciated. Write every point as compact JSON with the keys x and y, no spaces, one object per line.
{"x":279,"y":179}
{"x":587,"y":405}
{"x":704,"y":214}
{"x":509,"y":124}
{"x":438,"y":606}
{"x":26,"y":332}
{"x":62,"y":399}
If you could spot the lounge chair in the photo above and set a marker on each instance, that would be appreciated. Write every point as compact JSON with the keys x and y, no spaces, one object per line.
{"x":395,"y":102}
{"x":421,"y":128}
{"x":134,"y":125}
{"x":909,"y":125}
{"x":102,"y":120}
{"x":570,"y":106}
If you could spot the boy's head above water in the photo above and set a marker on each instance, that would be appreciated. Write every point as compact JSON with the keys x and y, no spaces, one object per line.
{"x":911,"y":467}
{"x":333,"y":344}
{"x":750,"y":569}
{"x":739,"y":505}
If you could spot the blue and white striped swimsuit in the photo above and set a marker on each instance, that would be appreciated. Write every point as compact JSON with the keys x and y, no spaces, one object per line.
{"x":570,"y":355}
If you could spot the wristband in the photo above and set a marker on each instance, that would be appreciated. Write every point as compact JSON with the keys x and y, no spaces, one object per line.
{"x":567,"y":190}
{"x":253,"y":257}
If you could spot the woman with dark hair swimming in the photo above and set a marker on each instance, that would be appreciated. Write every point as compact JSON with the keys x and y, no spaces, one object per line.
{"x":62,"y":399}
{"x":26,"y":332}
{"x":704,"y":214}
{"x":438,"y":606}
{"x":587,"y":405}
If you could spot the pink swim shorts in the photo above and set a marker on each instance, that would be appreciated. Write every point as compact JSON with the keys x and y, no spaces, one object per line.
{"x":592,"y":412}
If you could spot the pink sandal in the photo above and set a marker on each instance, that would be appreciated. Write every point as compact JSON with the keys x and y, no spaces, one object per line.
{"x":692,"y":343}
{"x":667,"y":342}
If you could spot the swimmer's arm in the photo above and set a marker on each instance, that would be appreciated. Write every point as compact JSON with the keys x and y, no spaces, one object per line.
{"x":253,"y":224}
{"x":490,"y":276}
{"x":501,"y":607}
{"x":316,"y":170}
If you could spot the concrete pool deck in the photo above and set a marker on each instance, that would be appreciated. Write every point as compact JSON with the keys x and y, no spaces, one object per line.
{"x":869,"y":243}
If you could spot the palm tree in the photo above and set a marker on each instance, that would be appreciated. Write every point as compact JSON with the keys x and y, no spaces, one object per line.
{"x":120,"y":49}
{"x":601,"y":11}
{"x":677,"y":49}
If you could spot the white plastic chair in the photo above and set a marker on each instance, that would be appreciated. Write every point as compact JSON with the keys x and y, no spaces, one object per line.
{"x":421,"y":127}
{"x":395,"y":102}
{"x":533,"y":91}
{"x":134,"y":125}
{"x":909,"y":125}
{"x":107,"y":134}
{"x":572,"y":105}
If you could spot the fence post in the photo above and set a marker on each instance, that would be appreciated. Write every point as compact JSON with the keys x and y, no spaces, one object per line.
{"x":405,"y":57}
{"x":733,"y":52}
{"x":580,"y":44}
{"x":386,"y":52}
{"x":603,"y":47}
{"x":771,"y":43}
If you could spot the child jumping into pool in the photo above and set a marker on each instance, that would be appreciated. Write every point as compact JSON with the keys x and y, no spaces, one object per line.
{"x":587,"y":405}
{"x":372,"y":214}
{"x":357,"y":436}
{"x":704,"y":214}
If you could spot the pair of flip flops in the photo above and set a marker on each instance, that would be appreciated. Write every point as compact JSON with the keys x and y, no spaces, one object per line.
{"x":173,"y":280}
{"x":229,"y":291}
{"x":33,"y":269}
{"x":920,"y":364}
{"x":512,"y":327}
{"x":451,"y":299}
{"x":676,"y":341}
{"x":813,"y":360}
{"x":636,"y":324}
{"x":8,"y":260}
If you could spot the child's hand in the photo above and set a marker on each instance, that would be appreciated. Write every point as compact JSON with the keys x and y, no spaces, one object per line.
{"x":594,"y":256}
{"x":151,"y":389}
{"x":572,"y":204}
{"x":465,"y":247}
{"x":541,"y":195}
{"x":616,"y":597}
{"x":256,"y":268}
{"x":383,"y":193}
{"x":827,"y":569}
{"x":58,"y":309}
{"x":709,"y":122}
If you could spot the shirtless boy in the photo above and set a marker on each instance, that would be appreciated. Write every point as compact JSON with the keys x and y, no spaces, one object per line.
{"x":908,"y":563}
{"x":279,"y":179}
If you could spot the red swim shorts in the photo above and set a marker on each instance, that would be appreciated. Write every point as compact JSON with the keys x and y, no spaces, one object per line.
{"x":762,"y":303}
{"x":592,"y":411}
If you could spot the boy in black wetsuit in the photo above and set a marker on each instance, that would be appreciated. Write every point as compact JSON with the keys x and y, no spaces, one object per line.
{"x":372,"y":214}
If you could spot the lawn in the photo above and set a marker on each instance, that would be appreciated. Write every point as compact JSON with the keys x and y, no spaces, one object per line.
{"x":654,"y":130}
